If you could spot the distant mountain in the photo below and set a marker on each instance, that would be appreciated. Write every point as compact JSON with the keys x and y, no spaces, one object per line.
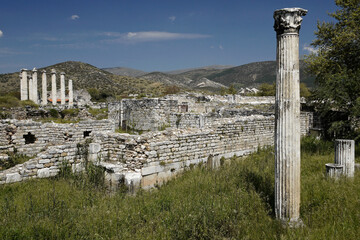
{"x":86,"y":76}
{"x":123,"y":71}
{"x":211,"y":67}
{"x":211,"y":78}
{"x":217,"y":76}
{"x":200,"y":83}
{"x":253,"y":74}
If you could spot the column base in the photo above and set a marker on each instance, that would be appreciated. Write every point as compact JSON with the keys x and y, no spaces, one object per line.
{"x":292,"y":223}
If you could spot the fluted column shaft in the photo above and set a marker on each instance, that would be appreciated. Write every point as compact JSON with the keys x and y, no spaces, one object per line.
{"x":287,"y":115}
{"x":24,"y":85}
{"x":62,"y":88}
{"x":71,"y":93}
{"x":44,"y":88}
{"x":34,"y":90}
{"x":53,"y":87}
{"x":31,"y":94}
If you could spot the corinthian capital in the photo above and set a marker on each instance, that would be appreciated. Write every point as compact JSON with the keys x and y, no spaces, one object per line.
{"x":288,"y":20}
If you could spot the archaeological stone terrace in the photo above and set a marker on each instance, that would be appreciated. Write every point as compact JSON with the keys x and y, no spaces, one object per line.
{"x":174,"y":133}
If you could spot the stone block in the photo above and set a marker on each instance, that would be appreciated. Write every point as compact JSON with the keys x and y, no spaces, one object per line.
{"x":13,"y":177}
{"x":132,"y":180}
{"x":43,"y":173}
{"x":94,"y":148}
{"x":149,"y":181}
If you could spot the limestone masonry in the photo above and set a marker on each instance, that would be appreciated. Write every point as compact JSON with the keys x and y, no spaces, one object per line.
{"x":196,"y":131}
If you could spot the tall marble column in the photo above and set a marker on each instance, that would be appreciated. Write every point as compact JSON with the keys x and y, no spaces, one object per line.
{"x":35,"y":95}
{"x":24,"y":85}
{"x":44,"y":88}
{"x":53,"y":86}
{"x":31,"y":91}
{"x":62,"y":88}
{"x":71,"y":93}
{"x":287,"y":116}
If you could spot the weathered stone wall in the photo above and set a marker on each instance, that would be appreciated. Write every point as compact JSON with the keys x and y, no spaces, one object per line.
{"x":29,"y":137}
{"x":153,"y":157}
{"x":45,"y":164}
{"x":184,"y":111}
{"x":157,"y":113}
{"x":147,"y":114}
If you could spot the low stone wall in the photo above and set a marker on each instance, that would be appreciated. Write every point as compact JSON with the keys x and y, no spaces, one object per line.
{"x":45,"y":164}
{"x":153,"y":157}
{"x":158,"y":156}
{"x":29,"y":137}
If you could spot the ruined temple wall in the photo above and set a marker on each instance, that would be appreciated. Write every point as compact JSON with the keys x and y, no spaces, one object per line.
{"x":160,"y":155}
{"x":147,"y":114}
{"x":29,"y":137}
{"x":306,"y":122}
{"x":155,"y":156}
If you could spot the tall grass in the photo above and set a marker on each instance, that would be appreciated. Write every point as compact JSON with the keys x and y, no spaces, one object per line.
{"x":234,"y":202}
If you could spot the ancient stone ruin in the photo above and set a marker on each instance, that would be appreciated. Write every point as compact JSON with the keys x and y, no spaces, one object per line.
{"x":171,"y":134}
{"x":287,"y":114}
{"x":29,"y":88}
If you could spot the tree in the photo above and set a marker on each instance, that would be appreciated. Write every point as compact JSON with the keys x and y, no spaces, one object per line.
{"x":230,"y":90}
{"x":336,"y":66}
{"x":266,"y":89}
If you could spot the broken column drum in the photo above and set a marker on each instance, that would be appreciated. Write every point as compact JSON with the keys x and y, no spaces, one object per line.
{"x":287,"y":115}
{"x":23,"y":85}
{"x":53,"y":87}
{"x":345,"y":156}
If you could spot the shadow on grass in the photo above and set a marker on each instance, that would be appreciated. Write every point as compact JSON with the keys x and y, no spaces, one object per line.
{"x":262,"y":185}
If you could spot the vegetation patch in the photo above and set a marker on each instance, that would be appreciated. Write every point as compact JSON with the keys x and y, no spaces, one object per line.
{"x":10,"y":101}
{"x":99,"y":114}
{"x":14,"y":159}
{"x":234,"y":202}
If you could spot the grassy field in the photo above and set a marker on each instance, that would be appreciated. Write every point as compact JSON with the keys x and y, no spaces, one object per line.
{"x":234,"y":202}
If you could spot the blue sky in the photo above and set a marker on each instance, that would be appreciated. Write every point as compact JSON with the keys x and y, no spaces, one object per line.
{"x":147,"y":35}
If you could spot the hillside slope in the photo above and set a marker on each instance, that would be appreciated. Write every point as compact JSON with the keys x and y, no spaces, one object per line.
{"x":123,"y":71}
{"x":86,"y":76}
{"x":253,"y":74}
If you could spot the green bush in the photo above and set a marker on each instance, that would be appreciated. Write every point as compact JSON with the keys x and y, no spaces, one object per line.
{"x":9,"y":101}
{"x":70,"y":112}
{"x":14,"y":159}
{"x":99,"y":114}
{"x":29,"y":103}
{"x":54,"y":113}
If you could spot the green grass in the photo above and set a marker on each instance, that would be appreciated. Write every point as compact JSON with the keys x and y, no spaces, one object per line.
{"x":14,"y":159}
{"x":58,"y":120}
{"x":10,"y":101}
{"x":129,"y":131}
{"x":99,"y":114}
{"x":234,"y":202}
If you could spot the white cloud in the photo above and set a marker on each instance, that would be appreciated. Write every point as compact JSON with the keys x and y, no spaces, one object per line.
{"x":172,"y":18}
{"x":74,"y":17}
{"x":221,"y":47}
{"x":151,"y":36}
{"x":310,"y":49}
{"x":1,"y":34}
{"x":8,"y":51}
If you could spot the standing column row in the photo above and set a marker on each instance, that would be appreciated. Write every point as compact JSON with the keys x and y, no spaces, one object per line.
{"x":29,"y":88}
